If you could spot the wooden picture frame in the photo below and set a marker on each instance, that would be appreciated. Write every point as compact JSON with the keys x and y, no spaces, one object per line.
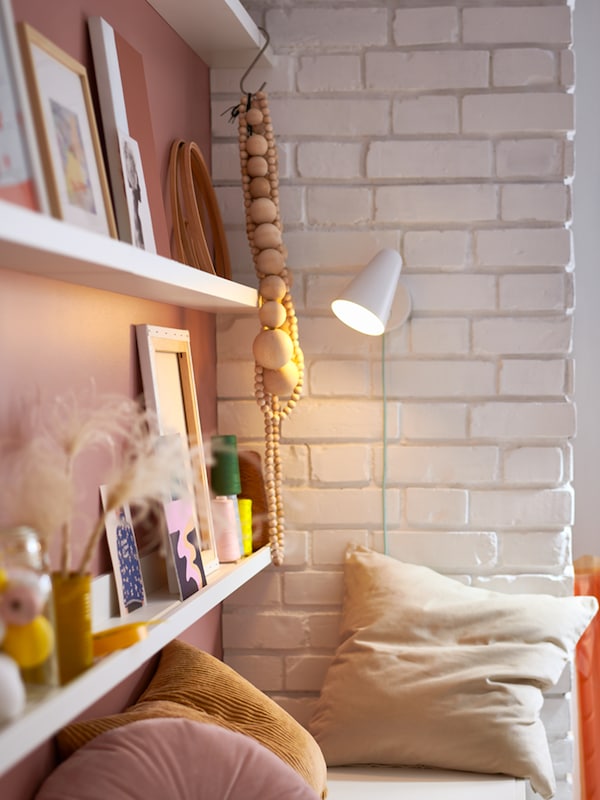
{"x":165,"y":357}
{"x":63,"y":115}
{"x":21,"y":174}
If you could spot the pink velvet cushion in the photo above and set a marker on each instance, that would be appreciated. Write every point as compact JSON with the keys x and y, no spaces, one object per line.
{"x":160,"y":759}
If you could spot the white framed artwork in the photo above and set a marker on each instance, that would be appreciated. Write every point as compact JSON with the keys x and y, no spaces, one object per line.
{"x":132,"y":209}
{"x":165,"y":357}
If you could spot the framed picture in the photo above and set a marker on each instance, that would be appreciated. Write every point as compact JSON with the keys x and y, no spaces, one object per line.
{"x":125,"y":116}
{"x":139,"y":224}
{"x":68,"y":137}
{"x":21,"y":175}
{"x":127,"y":568}
{"x":168,"y":381}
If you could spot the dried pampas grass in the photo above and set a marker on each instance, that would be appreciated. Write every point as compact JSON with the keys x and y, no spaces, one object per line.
{"x":44,"y":450}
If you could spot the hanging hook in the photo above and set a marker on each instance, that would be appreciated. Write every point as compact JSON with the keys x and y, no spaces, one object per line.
{"x":251,"y":67}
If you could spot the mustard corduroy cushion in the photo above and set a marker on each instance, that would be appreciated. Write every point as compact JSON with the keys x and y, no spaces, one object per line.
{"x":75,"y":735}
{"x":196,"y":679}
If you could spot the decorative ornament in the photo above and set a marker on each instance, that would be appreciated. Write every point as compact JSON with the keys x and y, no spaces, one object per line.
{"x":12,"y":689}
{"x":279,"y":362}
{"x":194,"y":207}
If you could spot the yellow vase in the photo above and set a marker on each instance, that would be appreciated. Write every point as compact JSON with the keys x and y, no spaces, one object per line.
{"x":73,"y":621}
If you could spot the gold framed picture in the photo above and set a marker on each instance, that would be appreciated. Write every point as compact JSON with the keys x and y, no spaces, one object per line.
{"x":63,"y":115}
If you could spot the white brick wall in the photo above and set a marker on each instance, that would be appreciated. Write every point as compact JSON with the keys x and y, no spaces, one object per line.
{"x":445,"y":132}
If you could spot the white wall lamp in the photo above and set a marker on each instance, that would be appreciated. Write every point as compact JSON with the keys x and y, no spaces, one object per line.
{"x":375,"y":303}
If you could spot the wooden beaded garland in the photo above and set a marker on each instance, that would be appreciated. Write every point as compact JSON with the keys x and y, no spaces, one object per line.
{"x":259,"y":187}
{"x":254,"y":116}
{"x":270,"y":261}
{"x":272,"y":287}
{"x":281,"y":381}
{"x":279,"y":362}
{"x":257,"y":166}
{"x":263,"y":210}
{"x":256,"y":145}
{"x":266,"y":235}
{"x":272,"y":314}
{"x":272,"y":348}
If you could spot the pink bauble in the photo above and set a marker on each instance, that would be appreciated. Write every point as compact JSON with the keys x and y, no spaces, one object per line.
{"x":20,"y":603}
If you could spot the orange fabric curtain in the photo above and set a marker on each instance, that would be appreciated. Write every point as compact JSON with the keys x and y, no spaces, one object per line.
{"x":587,"y":668}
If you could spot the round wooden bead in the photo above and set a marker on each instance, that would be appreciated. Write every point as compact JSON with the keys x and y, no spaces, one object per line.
{"x":263,"y":210}
{"x":272,"y":349}
{"x":257,"y":145}
{"x":270,"y":262}
{"x":254,"y":116}
{"x":259,"y":187}
{"x":281,"y":381}
{"x":272,"y":314}
{"x":267,"y":235}
{"x":272,"y":287}
{"x":257,"y":166}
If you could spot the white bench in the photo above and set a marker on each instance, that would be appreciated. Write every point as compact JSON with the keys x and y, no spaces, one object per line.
{"x":406,"y":783}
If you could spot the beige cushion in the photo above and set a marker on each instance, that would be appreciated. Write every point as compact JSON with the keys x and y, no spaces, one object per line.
{"x":435,"y":673}
{"x":195,"y":685}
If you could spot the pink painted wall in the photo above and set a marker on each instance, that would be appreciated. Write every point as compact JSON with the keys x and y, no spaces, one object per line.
{"x":58,"y":336}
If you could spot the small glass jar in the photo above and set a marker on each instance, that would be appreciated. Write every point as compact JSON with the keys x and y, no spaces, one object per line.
{"x":26,"y":608}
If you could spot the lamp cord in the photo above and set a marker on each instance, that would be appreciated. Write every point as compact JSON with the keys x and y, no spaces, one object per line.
{"x":384,"y":451}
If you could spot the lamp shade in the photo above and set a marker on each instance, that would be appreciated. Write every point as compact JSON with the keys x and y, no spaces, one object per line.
{"x":366,"y":303}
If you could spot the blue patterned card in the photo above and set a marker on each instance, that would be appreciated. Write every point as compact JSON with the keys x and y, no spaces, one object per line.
{"x":125,"y":559}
